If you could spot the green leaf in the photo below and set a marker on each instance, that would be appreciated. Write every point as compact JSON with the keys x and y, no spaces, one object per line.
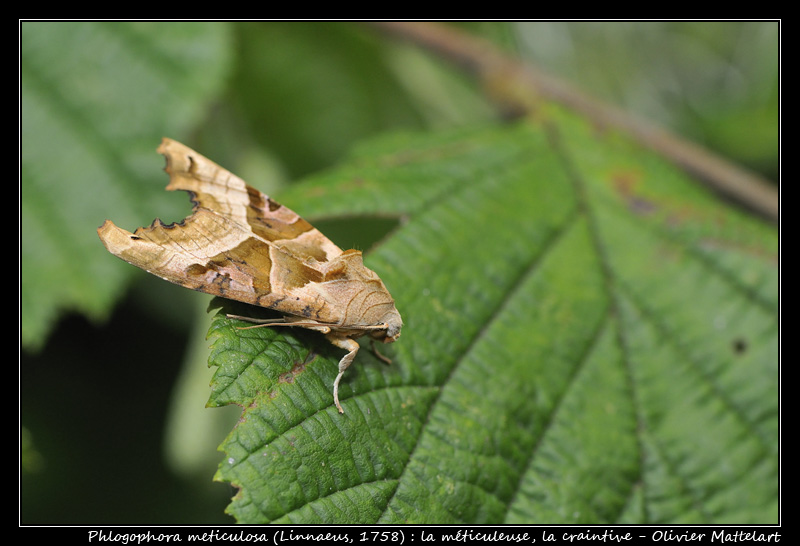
{"x":678,"y":75}
{"x":590,"y":337}
{"x":291,"y":73}
{"x":97,"y":98}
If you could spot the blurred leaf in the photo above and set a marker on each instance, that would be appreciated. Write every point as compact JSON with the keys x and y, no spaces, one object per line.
{"x":590,"y":338}
{"x":96,"y":99}
{"x":30,"y":460}
{"x":190,"y":434}
{"x":715,"y":82}
{"x":308,"y":90}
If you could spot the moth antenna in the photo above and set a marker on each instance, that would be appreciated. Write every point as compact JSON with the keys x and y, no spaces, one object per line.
{"x":257,"y":320}
{"x":259,"y":323}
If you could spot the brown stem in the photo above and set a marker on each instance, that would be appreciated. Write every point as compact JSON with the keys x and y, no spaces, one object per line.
{"x":508,"y":75}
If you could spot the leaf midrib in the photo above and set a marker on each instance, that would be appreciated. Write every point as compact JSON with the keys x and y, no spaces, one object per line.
{"x":615,"y":287}
{"x":513,"y":287}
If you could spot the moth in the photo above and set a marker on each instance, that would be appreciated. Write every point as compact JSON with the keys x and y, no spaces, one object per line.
{"x":240,"y":244}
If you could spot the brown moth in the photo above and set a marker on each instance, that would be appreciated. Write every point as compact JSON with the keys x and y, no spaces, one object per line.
{"x":240,"y":244}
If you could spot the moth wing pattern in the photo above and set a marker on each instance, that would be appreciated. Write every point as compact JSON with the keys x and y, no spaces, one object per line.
{"x":240,"y":244}
{"x":213,"y":188}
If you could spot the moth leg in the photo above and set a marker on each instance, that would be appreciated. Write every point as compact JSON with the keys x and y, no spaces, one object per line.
{"x":382,"y":358}
{"x":351,"y":347}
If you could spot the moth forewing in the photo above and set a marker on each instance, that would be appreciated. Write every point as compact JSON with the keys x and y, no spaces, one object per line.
{"x":240,"y":244}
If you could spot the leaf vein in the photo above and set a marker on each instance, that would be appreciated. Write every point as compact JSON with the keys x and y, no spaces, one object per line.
{"x":525,"y":271}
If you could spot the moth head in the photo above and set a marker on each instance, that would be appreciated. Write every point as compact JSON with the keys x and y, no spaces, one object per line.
{"x":392,"y":324}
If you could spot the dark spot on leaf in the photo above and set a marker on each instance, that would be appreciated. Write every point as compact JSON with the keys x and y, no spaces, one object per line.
{"x":739,"y":346}
{"x":641,"y":206}
{"x":296,"y":370}
{"x":627,"y":185}
{"x":626,"y":182}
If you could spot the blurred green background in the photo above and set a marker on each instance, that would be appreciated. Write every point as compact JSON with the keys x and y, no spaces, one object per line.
{"x":113,"y":375}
